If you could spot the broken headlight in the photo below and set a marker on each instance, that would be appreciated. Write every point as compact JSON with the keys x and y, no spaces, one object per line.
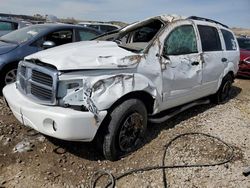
{"x":70,"y":92}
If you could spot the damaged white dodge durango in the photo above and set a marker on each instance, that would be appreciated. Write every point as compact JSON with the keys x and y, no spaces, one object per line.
{"x":108,"y":89}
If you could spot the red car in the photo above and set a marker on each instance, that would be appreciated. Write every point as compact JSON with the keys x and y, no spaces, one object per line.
{"x":244,"y":65}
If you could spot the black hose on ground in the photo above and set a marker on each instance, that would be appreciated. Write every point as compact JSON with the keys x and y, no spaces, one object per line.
{"x":100,"y":173}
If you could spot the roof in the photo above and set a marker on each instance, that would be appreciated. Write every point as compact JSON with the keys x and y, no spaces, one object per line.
{"x":58,"y":25}
{"x":52,"y":26}
{"x":98,"y":23}
{"x":9,"y":20}
{"x":171,"y":18}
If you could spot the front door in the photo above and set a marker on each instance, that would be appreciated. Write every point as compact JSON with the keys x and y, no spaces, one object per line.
{"x":181,"y":66}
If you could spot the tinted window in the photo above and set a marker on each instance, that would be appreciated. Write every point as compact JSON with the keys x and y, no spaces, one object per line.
{"x":86,"y":35}
{"x":60,"y":37}
{"x":145,"y":34}
{"x":107,"y":28}
{"x":181,"y":40}
{"x":94,"y":26}
{"x":244,"y":43}
{"x":210,"y":39}
{"x":5,"y":26}
{"x":229,"y":40}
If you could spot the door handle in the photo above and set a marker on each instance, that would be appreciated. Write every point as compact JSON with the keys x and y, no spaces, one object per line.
{"x":224,"y":59}
{"x":195,"y":63}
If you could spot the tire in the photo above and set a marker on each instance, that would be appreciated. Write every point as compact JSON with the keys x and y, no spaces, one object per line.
{"x":123,"y":137}
{"x":224,"y":91}
{"x":8,"y":76}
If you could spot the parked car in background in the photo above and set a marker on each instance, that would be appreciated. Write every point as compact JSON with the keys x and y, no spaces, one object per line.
{"x":108,"y":90}
{"x":8,"y":25}
{"x":244,"y":64}
{"x":102,"y":27}
{"x":20,"y":43}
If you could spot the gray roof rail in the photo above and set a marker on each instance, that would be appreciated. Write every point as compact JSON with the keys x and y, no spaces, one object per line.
{"x":206,"y":19}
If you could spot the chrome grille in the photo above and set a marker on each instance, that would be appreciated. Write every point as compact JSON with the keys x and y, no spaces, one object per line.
{"x":41,"y":93}
{"x":23,"y":70}
{"x":42,"y":78}
{"x":37,"y":82}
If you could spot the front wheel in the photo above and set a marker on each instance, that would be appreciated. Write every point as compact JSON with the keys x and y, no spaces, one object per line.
{"x":126,"y":129}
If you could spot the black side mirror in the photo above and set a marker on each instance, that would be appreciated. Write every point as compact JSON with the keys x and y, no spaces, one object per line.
{"x":48,"y":44}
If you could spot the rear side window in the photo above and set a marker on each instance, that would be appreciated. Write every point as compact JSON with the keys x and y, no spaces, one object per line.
{"x":210,"y":39}
{"x":229,"y":40}
{"x":60,"y":37}
{"x":86,"y":35}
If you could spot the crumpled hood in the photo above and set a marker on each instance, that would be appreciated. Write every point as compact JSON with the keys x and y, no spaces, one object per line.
{"x":6,"y":47}
{"x":87,"y":55}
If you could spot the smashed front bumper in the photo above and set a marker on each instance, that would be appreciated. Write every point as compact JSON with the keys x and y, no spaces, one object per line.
{"x":54,"y":121}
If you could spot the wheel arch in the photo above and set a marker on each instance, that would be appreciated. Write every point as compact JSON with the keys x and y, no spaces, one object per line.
{"x":9,"y":65}
{"x":147,"y":99}
{"x":4,"y":69}
{"x":229,"y":70}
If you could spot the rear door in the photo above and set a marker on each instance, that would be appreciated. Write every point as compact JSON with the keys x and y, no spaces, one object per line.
{"x":231,"y":47}
{"x":213,"y":60}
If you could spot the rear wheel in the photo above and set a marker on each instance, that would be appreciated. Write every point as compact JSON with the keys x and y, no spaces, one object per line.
{"x":224,"y":91}
{"x":126,"y":129}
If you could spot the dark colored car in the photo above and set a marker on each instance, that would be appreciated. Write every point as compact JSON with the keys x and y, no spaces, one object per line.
{"x":244,"y":64}
{"x":102,"y":27}
{"x":7,"y":25}
{"x":16,"y":45}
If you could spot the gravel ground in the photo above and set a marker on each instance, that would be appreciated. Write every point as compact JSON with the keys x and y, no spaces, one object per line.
{"x":27,"y":159}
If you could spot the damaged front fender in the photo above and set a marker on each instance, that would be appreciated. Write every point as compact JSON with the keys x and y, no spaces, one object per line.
{"x":108,"y":89}
{"x":99,"y":93}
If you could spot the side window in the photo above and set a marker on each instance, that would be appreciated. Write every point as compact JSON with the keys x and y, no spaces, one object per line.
{"x":86,"y":35}
{"x":145,"y":34}
{"x":210,"y":39}
{"x":38,"y":43}
{"x":229,"y":40}
{"x":60,"y":37}
{"x":6,"y":26}
{"x":181,"y":40}
{"x":107,"y":28}
{"x":94,"y":27}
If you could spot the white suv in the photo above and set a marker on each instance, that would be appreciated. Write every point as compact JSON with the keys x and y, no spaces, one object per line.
{"x":110,"y":88}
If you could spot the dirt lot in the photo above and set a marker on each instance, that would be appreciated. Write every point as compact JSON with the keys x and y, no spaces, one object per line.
{"x":241,"y":31}
{"x":28,"y":159}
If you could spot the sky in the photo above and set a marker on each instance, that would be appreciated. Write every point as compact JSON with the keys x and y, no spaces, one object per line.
{"x":234,"y":13}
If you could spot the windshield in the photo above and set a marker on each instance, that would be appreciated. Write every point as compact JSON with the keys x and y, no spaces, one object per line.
{"x":24,"y":34}
{"x":135,"y":37}
{"x":244,"y":43}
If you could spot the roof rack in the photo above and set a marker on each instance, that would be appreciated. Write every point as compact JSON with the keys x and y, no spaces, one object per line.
{"x":206,"y":19}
